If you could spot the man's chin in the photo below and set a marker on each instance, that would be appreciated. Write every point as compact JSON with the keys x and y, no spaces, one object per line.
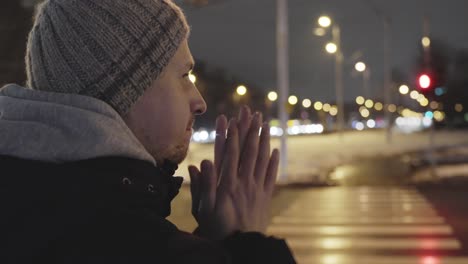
{"x":175,"y":155}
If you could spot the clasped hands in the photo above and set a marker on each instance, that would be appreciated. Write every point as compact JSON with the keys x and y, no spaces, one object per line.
{"x":234,"y":193}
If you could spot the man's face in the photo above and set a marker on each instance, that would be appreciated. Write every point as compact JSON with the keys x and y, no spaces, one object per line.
{"x":163,"y":116}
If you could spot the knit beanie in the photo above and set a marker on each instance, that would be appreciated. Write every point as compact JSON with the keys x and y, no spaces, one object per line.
{"x":111,"y":50}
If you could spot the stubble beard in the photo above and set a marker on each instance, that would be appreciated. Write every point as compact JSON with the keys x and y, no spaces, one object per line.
{"x":175,"y":154}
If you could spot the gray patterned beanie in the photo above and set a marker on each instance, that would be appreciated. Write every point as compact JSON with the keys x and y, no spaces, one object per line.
{"x":111,"y":50}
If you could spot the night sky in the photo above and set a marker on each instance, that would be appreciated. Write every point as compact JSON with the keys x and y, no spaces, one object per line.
{"x":239,"y":35}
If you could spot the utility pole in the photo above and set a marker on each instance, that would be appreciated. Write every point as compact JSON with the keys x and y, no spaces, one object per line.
{"x":282,"y":57}
{"x":336,"y":32}
{"x":387,"y":76}
{"x":387,"y":39}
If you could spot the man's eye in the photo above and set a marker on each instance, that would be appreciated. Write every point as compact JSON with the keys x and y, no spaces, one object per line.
{"x":187,"y":74}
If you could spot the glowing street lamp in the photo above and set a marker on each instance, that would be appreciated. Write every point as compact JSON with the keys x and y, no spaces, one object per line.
{"x":318,"y":106}
{"x":319,"y":32}
{"x":426,"y":42}
{"x":272,"y":96}
{"x":292,"y":100}
{"x":360,"y":66}
{"x":404,"y":89}
{"x":324,"y":21}
{"x":241,"y":90}
{"x":331,"y":48}
{"x":333,"y":111}
{"x":306,"y":103}
{"x":365,"y":113}
{"x":414,"y":95}
{"x":334,"y":48}
{"x":369,"y":103}
{"x":378,"y":106}
{"x":360,"y":100}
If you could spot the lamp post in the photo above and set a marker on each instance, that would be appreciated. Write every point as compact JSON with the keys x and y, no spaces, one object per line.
{"x":282,"y":55}
{"x":335,"y":48}
{"x":362,"y":68}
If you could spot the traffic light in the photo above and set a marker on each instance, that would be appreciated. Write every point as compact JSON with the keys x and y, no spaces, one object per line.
{"x":425,"y":81}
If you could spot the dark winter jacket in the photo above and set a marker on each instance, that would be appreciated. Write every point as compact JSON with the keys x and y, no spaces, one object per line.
{"x":77,"y":187}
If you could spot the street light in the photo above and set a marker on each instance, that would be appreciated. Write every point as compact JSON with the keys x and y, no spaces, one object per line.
{"x":331,"y":48}
{"x":360,"y":100}
{"x":434,"y":105}
{"x":306,"y":103}
{"x":319,"y":32}
{"x":424,"y":102}
{"x":318,"y":106}
{"x":426,"y":42}
{"x":333,"y":110}
{"x":414,"y":95}
{"x":392,"y":108}
{"x":324,"y":21}
{"x":241,"y":90}
{"x":292,"y":100}
{"x":272,"y":96}
{"x":334,"y":47}
{"x":365,"y":113}
{"x":404,"y":89}
{"x":360,"y":66}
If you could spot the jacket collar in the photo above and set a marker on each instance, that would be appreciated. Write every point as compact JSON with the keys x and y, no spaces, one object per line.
{"x":107,"y":182}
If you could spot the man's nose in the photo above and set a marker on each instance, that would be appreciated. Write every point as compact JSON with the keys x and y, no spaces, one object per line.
{"x":198,"y":104}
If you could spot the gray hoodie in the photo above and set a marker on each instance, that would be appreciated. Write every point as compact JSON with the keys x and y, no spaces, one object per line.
{"x":57,"y":127}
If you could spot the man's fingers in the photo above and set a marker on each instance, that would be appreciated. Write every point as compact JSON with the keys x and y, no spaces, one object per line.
{"x":263,"y":154}
{"x":194,"y":189}
{"x":272,"y":172}
{"x":208,"y":187}
{"x":231,"y":158}
{"x":250,"y":151}
{"x":221,"y":127}
{"x":245,"y":118}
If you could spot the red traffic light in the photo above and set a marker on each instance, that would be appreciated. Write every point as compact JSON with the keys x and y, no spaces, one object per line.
{"x":424,"y":81}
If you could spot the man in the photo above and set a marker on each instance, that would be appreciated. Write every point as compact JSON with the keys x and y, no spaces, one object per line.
{"x":89,"y":147}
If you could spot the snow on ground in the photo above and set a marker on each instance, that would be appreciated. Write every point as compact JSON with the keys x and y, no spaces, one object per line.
{"x":441,"y":172}
{"x":315,"y":155}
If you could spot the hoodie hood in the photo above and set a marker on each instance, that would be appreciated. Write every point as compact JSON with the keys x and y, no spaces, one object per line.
{"x":58,"y":127}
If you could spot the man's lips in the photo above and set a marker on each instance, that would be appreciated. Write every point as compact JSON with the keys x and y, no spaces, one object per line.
{"x":190,"y":126}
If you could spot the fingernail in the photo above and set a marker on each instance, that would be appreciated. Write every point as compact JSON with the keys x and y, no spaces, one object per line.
{"x":205,"y":165}
{"x":276,"y":152}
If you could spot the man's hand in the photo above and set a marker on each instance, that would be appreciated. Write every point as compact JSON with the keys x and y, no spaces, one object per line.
{"x":234,"y":193}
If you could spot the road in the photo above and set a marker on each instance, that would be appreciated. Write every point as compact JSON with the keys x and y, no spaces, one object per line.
{"x":310,"y":158}
{"x":372,"y":216}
